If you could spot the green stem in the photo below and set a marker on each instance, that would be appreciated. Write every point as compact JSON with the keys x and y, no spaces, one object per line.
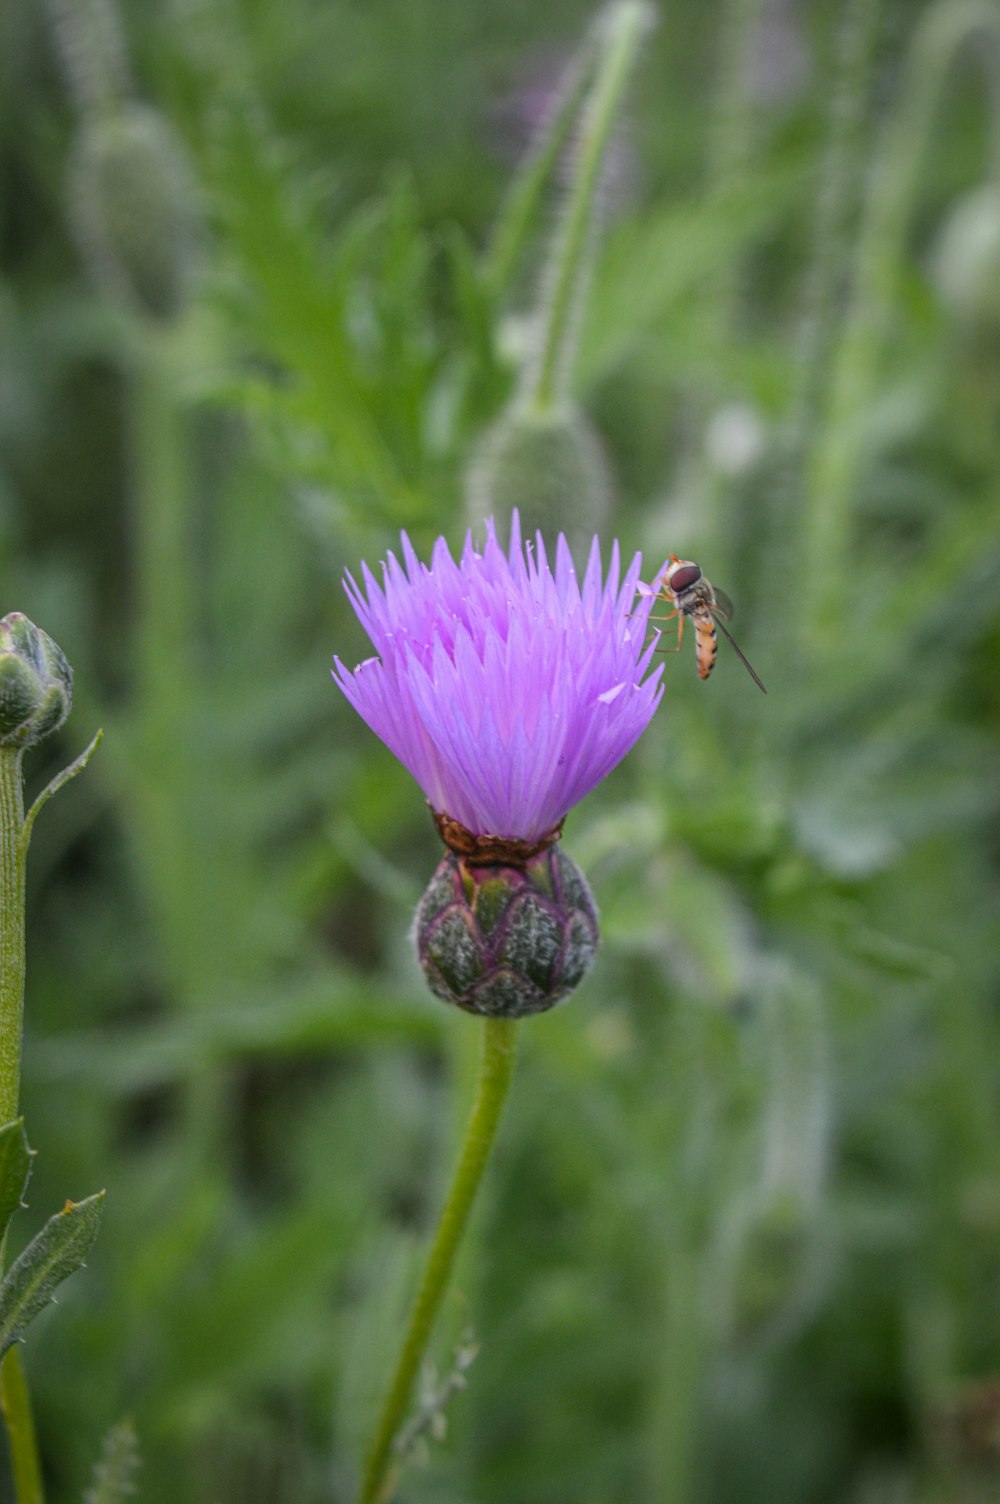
{"x":89,"y":38}
{"x":677,"y":1376}
{"x":731,"y":146}
{"x":623,"y":25}
{"x":12,"y":960}
{"x":732,"y":139}
{"x":836,"y":207}
{"x":837,"y":461}
{"x":161,"y":489}
{"x":14,"y":1399}
{"x":516,"y":217}
{"x":499,"y":1047}
{"x":15,"y":1402}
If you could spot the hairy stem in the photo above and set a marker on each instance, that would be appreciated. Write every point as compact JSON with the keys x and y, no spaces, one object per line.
{"x":622,"y":28}
{"x":827,"y":270}
{"x":14,"y":1399}
{"x":895,"y":182}
{"x":518,"y":213}
{"x":15,"y":1402}
{"x":499,"y":1047}
{"x":12,"y":868}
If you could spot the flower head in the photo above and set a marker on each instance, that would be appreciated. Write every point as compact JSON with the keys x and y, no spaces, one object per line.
{"x":36,"y":682}
{"x":507,"y":688}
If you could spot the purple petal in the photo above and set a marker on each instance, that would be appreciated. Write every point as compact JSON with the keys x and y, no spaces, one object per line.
{"x":505,"y":687}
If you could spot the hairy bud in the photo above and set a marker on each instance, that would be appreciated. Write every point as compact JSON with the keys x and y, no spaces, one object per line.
{"x":966,"y":263}
{"x":506,"y":941}
{"x":135,"y":209}
{"x":549,"y":465}
{"x":36,"y":683}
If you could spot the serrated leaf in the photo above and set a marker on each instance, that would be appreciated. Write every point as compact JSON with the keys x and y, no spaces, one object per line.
{"x":15,"y":1169}
{"x":58,"y":1250}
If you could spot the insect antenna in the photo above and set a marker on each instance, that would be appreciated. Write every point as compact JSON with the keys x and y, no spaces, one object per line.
{"x":740,"y":654}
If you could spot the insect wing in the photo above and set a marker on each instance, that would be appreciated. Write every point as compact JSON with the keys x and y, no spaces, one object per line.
{"x":723,"y":605}
{"x":740,"y":654}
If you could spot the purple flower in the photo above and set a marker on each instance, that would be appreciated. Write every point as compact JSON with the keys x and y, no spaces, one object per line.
{"x":506,"y":688}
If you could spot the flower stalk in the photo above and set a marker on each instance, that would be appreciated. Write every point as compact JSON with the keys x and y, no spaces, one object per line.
{"x":509,"y":690}
{"x":840,"y":449}
{"x":517,"y":218}
{"x":496,"y":1069}
{"x":622,"y":28}
{"x":15,"y":1401}
{"x":12,"y":956}
{"x":36,"y":692}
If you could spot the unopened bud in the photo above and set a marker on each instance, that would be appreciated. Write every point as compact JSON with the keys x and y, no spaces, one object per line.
{"x":36,"y":683}
{"x":966,"y":262}
{"x":506,"y":941}
{"x":550,"y":466}
{"x":135,"y":209}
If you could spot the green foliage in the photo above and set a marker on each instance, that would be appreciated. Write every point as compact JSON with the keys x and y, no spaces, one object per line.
{"x":52,"y":1256}
{"x":15,"y":1168}
{"x":115,"y":1473}
{"x":742,"y":1239}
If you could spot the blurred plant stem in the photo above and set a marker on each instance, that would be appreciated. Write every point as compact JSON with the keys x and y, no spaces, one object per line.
{"x":730,"y":152}
{"x":731,"y":137}
{"x":619,"y":31}
{"x":164,"y":578}
{"x":832,"y":477}
{"x":168,"y":785}
{"x":499,"y":1048}
{"x":13,"y":861}
{"x":14,"y":1398}
{"x":841,"y":171}
{"x":677,"y":1374}
{"x":518,"y":216}
{"x":20,"y":1426}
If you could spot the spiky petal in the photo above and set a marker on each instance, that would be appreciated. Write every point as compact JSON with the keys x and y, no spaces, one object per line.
{"x":508,"y":688}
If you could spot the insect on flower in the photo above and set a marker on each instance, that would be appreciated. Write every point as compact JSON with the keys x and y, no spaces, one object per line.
{"x":684,"y":587}
{"x":509,"y":687}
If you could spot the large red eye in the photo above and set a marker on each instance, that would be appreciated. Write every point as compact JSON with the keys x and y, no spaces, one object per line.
{"x":684,"y":578}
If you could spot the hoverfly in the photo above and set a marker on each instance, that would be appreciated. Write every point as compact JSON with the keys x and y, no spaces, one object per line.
{"x":685,"y":588}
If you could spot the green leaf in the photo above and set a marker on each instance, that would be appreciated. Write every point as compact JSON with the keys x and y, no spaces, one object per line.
{"x":58,"y":782}
{"x":15,"y":1168}
{"x":59,"y":1249}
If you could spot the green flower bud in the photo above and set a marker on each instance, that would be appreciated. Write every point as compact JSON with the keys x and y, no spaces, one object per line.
{"x":550,"y":466}
{"x":135,"y":209}
{"x":506,"y":941}
{"x":36,"y":683}
{"x":966,"y":262}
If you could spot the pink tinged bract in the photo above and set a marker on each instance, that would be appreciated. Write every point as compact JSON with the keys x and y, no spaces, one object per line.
{"x":507,"y":688}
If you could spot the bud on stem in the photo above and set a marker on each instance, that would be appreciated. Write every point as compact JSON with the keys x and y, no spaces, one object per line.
{"x":36,"y":683}
{"x":549,"y":466}
{"x":618,"y":33}
{"x":509,"y":937}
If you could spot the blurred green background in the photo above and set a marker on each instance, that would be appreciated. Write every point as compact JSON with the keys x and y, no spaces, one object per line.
{"x":741,"y":1242}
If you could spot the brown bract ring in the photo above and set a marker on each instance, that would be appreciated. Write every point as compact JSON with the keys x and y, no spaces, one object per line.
{"x":491,"y":851}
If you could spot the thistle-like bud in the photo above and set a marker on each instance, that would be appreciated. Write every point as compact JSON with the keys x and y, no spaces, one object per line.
{"x":135,"y":209}
{"x":966,"y":261}
{"x":36,"y":682}
{"x":549,"y":466}
{"x":506,"y":938}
